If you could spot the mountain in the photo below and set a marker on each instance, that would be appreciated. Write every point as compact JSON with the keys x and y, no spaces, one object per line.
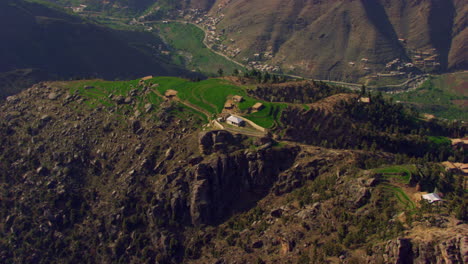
{"x":95,"y":171}
{"x":329,"y":39}
{"x":337,"y":40}
{"x":65,"y":46}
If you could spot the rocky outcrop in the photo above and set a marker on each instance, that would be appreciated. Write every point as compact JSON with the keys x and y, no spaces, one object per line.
{"x":227,"y":183}
{"x":452,"y":249}
{"x":216,"y":141}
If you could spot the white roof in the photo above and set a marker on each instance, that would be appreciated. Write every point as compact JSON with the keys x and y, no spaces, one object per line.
{"x":234,"y":119}
{"x":432,"y":197}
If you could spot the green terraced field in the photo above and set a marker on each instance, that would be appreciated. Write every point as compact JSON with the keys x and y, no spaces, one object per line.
{"x":402,"y":173}
{"x":401,"y":196}
{"x":209,"y":95}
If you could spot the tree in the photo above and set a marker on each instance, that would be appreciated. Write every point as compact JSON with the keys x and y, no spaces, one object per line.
{"x":266,"y":77}
{"x":235,"y":72}
{"x":220,"y":72}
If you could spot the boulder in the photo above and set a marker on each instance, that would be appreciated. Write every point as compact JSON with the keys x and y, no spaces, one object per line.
{"x":128,"y":100}
{"x":119,"y":99}
{"x":169,"y":154}
{"x":148,"y":108}
{"x":277,"y":213}
{"x":53,"y":96}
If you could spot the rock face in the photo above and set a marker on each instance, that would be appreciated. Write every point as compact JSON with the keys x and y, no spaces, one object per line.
{"x":215,"y":141}
{"x":449,"y":250}
{"x":227,"y":183}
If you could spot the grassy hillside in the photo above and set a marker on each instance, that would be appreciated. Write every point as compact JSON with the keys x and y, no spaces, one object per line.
{"x":190,"y":51}
{"x":444,"y":96}
{"x":208,"y":95}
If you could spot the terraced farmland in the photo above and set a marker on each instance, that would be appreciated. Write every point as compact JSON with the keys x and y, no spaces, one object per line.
{"x":208,"y":96}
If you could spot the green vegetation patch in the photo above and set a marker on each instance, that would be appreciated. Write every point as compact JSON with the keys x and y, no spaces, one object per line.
{"x":203,"y":98}
{"x":402,"y":173}
{"x":210,"y":95}
{"x":440,"y":140}
{"x":190,"y":51}
{"x":401,"y":196}
{"x":444,"y":96}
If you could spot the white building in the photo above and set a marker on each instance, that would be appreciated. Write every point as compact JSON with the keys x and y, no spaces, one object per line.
{"x":235,"y":121}
{"x":432,"y":197}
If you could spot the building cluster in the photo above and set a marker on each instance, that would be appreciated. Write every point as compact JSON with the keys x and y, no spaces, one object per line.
{"x":362,"y":64}
{"x":426,"y":58}
{"x":217,"y":40}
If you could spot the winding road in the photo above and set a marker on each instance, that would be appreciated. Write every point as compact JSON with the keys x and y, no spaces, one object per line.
{"x":354,"y":86}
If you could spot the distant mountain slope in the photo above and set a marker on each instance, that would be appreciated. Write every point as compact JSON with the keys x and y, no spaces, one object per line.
{"x":324,"y":38}
{"x":65,"y":46}
{"x":337,"y":39}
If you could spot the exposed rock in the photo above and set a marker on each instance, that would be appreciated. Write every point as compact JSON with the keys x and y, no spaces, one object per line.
{"x":12,"y":99}
{"x":309,"y":212}
{"x":287,"y":245}
{"x":226,"y":180}
{"x":195,"y":160}
{"x":169,"y":154}
{"x":277,"y":213}
{"x":53,"y":96}
{"x":128,"y":100}
{"x":119,"y":100}
{"x":137,"y":113}
{"x":451,"y":250}
{"x":136,"y":125}
{"x":148,"y":108}
{"x":214,"y":141}
{"x":257,"y":244}
{"x":45,"y":119}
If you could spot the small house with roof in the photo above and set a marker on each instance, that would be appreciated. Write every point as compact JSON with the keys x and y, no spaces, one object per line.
{"x":257,"y":106}
{"x":147,"y":78}
{"x":237,"y":98}
{"x":235,"y":121}
{"x":170,"y":93}
{"x":229,"y":105}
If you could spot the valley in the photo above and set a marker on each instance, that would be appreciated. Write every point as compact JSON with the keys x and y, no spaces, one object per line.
{"x":233,"y":131}
{"x":397,"y":75}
